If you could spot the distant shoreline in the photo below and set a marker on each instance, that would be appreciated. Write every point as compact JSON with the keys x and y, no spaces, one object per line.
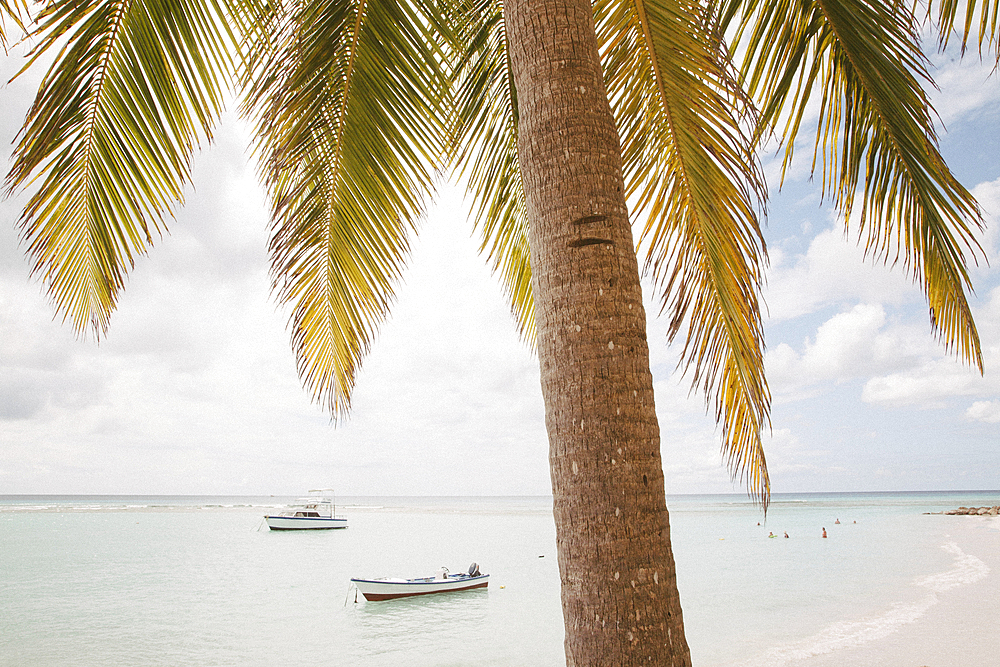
{"x":972,"y":511}
{"x":670,"y":496}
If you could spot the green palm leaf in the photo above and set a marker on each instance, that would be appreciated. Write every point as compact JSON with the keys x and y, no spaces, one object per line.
{"x":691,"y":171}
{"x":486,"y":151}
{"x":874,"y":128}
{"x":107,"y":144}
{"x":348,"y":98}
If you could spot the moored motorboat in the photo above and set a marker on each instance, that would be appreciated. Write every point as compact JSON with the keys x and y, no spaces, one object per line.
{"x":313,"y":513}
{"x":389,"y":588}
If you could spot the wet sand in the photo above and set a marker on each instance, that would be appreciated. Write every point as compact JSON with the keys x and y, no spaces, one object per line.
{"x":959,"y":627}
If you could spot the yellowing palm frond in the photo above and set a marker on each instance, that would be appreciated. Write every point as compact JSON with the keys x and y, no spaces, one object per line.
{"x":348,"y":99}
{"x":486,"y":149}
{"x":107,"y":144}
{"x":988,"y":33}
{"x":15,"y":10}
{"x":874,"y":129}
{"x":691,"y":170}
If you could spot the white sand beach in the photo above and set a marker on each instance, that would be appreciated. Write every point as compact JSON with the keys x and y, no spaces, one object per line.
{"x":957,"y":623}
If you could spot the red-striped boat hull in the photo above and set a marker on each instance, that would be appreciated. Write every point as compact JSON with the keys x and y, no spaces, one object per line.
{"x":377,"y":590}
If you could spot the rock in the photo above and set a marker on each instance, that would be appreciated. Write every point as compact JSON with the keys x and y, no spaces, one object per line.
{"x":975,"y":511}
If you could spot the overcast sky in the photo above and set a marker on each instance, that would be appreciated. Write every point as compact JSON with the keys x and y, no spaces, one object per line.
{"x":194,"y":391}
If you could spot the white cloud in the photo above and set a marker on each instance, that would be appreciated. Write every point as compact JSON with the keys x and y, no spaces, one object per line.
{"x":938,"y":375}
{"x":984,"y":411}
{"x":852,"y":344}
{"x":900,"y":364}
{"x":787,"y":456}
{"x":926,"y":385}
{"x":965,"y":87}
{"x":882,"y":340}
{"x":195,"y":390}
{"x":833,"y":270}
{"x":988,"y":196}
{"x":845,"y":342}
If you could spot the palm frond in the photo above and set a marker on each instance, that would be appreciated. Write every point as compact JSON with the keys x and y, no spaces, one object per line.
{"x":875,"y":128}
{"x":348,"y":98}
{"x":988,"y":32}
{"x":691,"y":170}
{"x":16,"y":11}
{"x":485,"y":141}
{"x":106,"y":146}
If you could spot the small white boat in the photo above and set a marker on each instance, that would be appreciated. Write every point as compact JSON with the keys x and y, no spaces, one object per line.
{"x":387,"y":588}
{"x":313,"y":513}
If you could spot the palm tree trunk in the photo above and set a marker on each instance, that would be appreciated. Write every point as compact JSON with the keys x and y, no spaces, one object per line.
{"x":619,"y":591}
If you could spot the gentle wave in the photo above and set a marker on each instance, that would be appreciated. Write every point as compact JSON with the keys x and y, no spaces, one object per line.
{"x":845,"y":634}
{"x":115,"y":507}
{"x":967,"y":569}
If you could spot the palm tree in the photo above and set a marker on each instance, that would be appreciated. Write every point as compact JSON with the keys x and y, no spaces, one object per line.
{"x":557,"y":114}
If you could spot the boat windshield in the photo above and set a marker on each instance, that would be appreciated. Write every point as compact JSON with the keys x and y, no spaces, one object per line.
{"x":310,"y":507}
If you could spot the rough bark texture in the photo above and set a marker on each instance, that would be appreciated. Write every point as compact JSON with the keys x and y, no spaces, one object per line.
{"x":619,"y":591}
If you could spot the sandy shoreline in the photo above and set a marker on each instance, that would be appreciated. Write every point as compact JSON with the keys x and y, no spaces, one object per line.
{"x":954,"y":625}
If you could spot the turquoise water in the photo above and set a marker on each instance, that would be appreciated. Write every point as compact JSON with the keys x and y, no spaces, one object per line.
{"x":179,"y":581}
{"x":750,"y":600}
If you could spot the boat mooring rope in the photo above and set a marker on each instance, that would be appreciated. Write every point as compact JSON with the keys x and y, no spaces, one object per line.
{"x":348,"y":597}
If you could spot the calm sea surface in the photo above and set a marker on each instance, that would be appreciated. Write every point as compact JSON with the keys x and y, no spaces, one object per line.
{"x":197,"y":581}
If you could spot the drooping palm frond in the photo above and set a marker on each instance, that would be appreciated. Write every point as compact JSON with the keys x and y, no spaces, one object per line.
{"x":106,"y":147}
{"x":486,"y":150}
{"x":691,"y":171}
{"x":988,"y":33}
{"x":874,"y":128}
{"x":16,"y":11}
{"x":348,"y":98}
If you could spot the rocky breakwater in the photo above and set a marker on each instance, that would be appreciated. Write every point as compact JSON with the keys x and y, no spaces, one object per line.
{"x":980,"y":511}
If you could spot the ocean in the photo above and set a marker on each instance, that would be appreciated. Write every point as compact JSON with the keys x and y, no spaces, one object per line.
{"x":199,"y":581}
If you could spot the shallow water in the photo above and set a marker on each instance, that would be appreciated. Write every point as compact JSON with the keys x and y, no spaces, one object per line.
{"x":196,"y":581}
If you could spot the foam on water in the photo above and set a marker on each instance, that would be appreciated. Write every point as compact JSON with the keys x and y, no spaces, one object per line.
{"x":847,"y":634}
{"x":966,"y":569}
{"x":189,"y":581}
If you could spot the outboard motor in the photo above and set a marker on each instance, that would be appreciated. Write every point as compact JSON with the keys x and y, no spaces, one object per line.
{"x":474,"y":570}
